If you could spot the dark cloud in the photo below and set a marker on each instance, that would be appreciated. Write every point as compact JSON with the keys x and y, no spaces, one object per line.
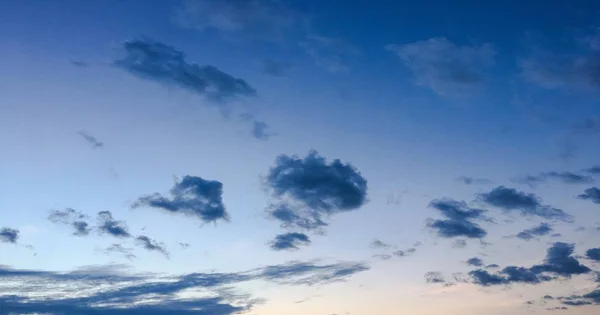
{"x":317,"y":188}
{"x":592,"y":194}
{"x":540,"y":230}
{"x":119,"y":249}
{"x":473,"y":181}
{"x":75,"y":219}
{"x":289,"y":241}
{"x":192,"y":196}
{"x":492,"y":266}
{"x":108,"y":225}
{"x":434,"y":277}
{"x":459,"y":219}
{"x":594,"y":170}
{"x":404,"y":253}
{"x":108,"y":291}
{"x":509,"y":199}
{"x":445,"y":67}
{"x":164,"y":64}
{"x":475,"y":261}
{"x":379,"y":244}
{"x":275,"y":68}
{"x":95,"y":143}
{"x":564,"y":177}
{"x":593,"y":254}
{"x":8,"y":235}
{"x":559,"y":262}
{"x":259,"y":130}
{"x":592,"y":298}
{"x":152,"y":245}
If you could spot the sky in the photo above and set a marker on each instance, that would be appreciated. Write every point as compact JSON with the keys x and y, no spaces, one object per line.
{"x":270,"y":157}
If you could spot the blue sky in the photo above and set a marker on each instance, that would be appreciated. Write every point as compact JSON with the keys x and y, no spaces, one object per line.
{"x":299,"y":157}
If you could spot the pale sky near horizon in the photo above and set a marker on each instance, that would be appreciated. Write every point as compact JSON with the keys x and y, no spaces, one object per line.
{"x":299,"y":157}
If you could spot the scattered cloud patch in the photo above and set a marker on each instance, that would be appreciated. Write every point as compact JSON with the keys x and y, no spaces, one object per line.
{"x":459,"y":243}
{"x":444,"y":67}
{"x":75,"y":219}
{"x":93,"y":141}
{"x":459,"y":219}
{"x":594,"y":170}
{"x":380,"y":244}
{"x":564,"y":177}
{"x":192,"y":196}
{"x":312,"y":189}
{"x":164,"y":64}
{"x":152,"y":245}
{"x":119,"y":249}
{"x":592,"y":194}
{"x":311,"y":274}
{"x":434,"y":277}
{"x":475,"y":261}
{"x":404,"y":253}
{"x":540,"y":230}
{"x":259,"y":130}
{"x":108,"y":225}
{"x":509,"y":200}
{"x":8,"y":235}
{"x":593,"y":254}
{"x":473,"y":181}
{"x":289,"y":241}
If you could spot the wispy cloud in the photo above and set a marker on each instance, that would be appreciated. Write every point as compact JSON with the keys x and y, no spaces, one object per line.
{"x":290,"y":241}
{"x":592,"y":194}
{"x":152,"y":245}
{"x":540,"y":230}
{"x":95,"y":143}
{"x":73,"y":218}
{"x":108,"y":225}
{"x":564,"y":177}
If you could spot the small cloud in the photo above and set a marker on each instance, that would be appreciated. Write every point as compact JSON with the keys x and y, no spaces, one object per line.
{"x":275,"y":68}
{"x":540,"y":230}
{"x":383,"y":256}
{"x":458,"y":222}
{"x":593,"y":254}
{"x":152,"y":245}
{"x":8,"y":235}
{"x":193,"y":196}
{"x":71,"y":217}
{"x":591,"y":194}
{"x":259,"y":130}
{"x":459,"y":244}
{"x":475,"y":261}
{"x":108,"y":225}
{"x":318,"y":189}
{"x":80,"y":64}
{"x":95,"y":143}
{"x":594,"y":170}
{"x":434,"y":277}
{"x":473,"y":181}
{"x":564,"y":177}
{"x":509,"y":200}
{"x":184,"y":245}
{"x":444,"y":67}
{"x":404,"y":253}
{"x":118,"y":248}
{"x":379,"y":244}
{"x":290,"y":241}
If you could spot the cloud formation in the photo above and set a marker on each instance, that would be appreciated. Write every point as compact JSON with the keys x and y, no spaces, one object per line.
{"x":380,"y":244}
{"x":559,"y":262}
{"x":95,"y":143}
{"x":290,"y":241}
{"x":593,"y":254}
{"x":564,"y":177}
{"x":154,"y":61}
{"x":459,"y":219}
{"x":118,"y":248}
{"x":540,"y":230}
{"x":108,"y":225}
{"x":311,"y":190}
{"x":259,"y":130}
{"x":192,"y":196}
{"x":509,"y":200}
{"x":152,"y":245}
{"x":444,"y":67}
{"x":473,"y":181}
{"x":75,"y":219}
{"x":8,"y":235}
{"x":592,"y":194}
{"x":475,"y":261}
{"x":434,"y":277}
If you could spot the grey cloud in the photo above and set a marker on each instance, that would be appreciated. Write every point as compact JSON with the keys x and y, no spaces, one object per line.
{"x":540,"y":230}
{"x":564,"y":177}
{"x":459,"y":219}
{"x":93,"y":141}
{"x":192,"y":196}
{"x":108,"y":225}
{"x":164,"y":64}
{"x":475,"y":261}
{"x":592,"y":194}
{"x":380,"y":244}
{"x":259,"y":130}
{"x":75,"y":219}
{"x":434,"y":277}
{"x":473,"y":181}
{"x":445,"y":67}
{"x":593,"y":254}
{"x":152,"y":245}
{"x":8,"y":235}
{"x":459,"y":243}
{"x":509,"y":200}
{"x":290,"y":241}
{"x":404,"y":253}
{"x":118,"y":248}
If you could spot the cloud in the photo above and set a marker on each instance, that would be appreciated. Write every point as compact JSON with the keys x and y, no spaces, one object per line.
{"x":434,"y":277}
{"x":459,"y":244}
{"x":564,"y":177}
{"x":379,"y":244}
{"x":118,"y":248}
{"x":404,"y":253}
{"x":164,"y":64}
{"x":192,"y":196}
{"x":95,"y":143}
{"x":594,"y":170}
{"x":312,"y":189}
{"x":71,"y":217}
{"x":108,"y":225}
{"x":444,"y":67}
{"x":540,"y":230}
{"x":475,"y":261}
{"x":259,"y":130}
{"x":333,"y":54}
{"x":8,"y":235}
{"x":289,"y":241}
{"x":593,"y":254}
{"x":459,"y":219}
{"x":152,"y":245}
{"x":275,"y":68}
{"x":559,"y":262}
{"x":473,"y":181}
{"x":263,"y":20}
{"x":509,"y":199}
{"x":592,"y":194}
{"x":107,"y":290}
{"x":580,"y":300}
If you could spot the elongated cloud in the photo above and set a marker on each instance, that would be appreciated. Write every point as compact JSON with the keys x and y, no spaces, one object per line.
{"x":108,"y":225}
{"x":72,"y":217}
{"x":459,"y":219}
{"x":540,"y":230}
{"x":564,"y":177}
{"x":511,"y":200}
{"x":591,"y":194}
{"x":152,"y":245}
{"x":95,"y":143}
{"x":289,"y":241}
{"x":192,"y":196}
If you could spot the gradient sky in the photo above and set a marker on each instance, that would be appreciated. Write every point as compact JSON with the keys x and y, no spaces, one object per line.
{"x":299,"y":157}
